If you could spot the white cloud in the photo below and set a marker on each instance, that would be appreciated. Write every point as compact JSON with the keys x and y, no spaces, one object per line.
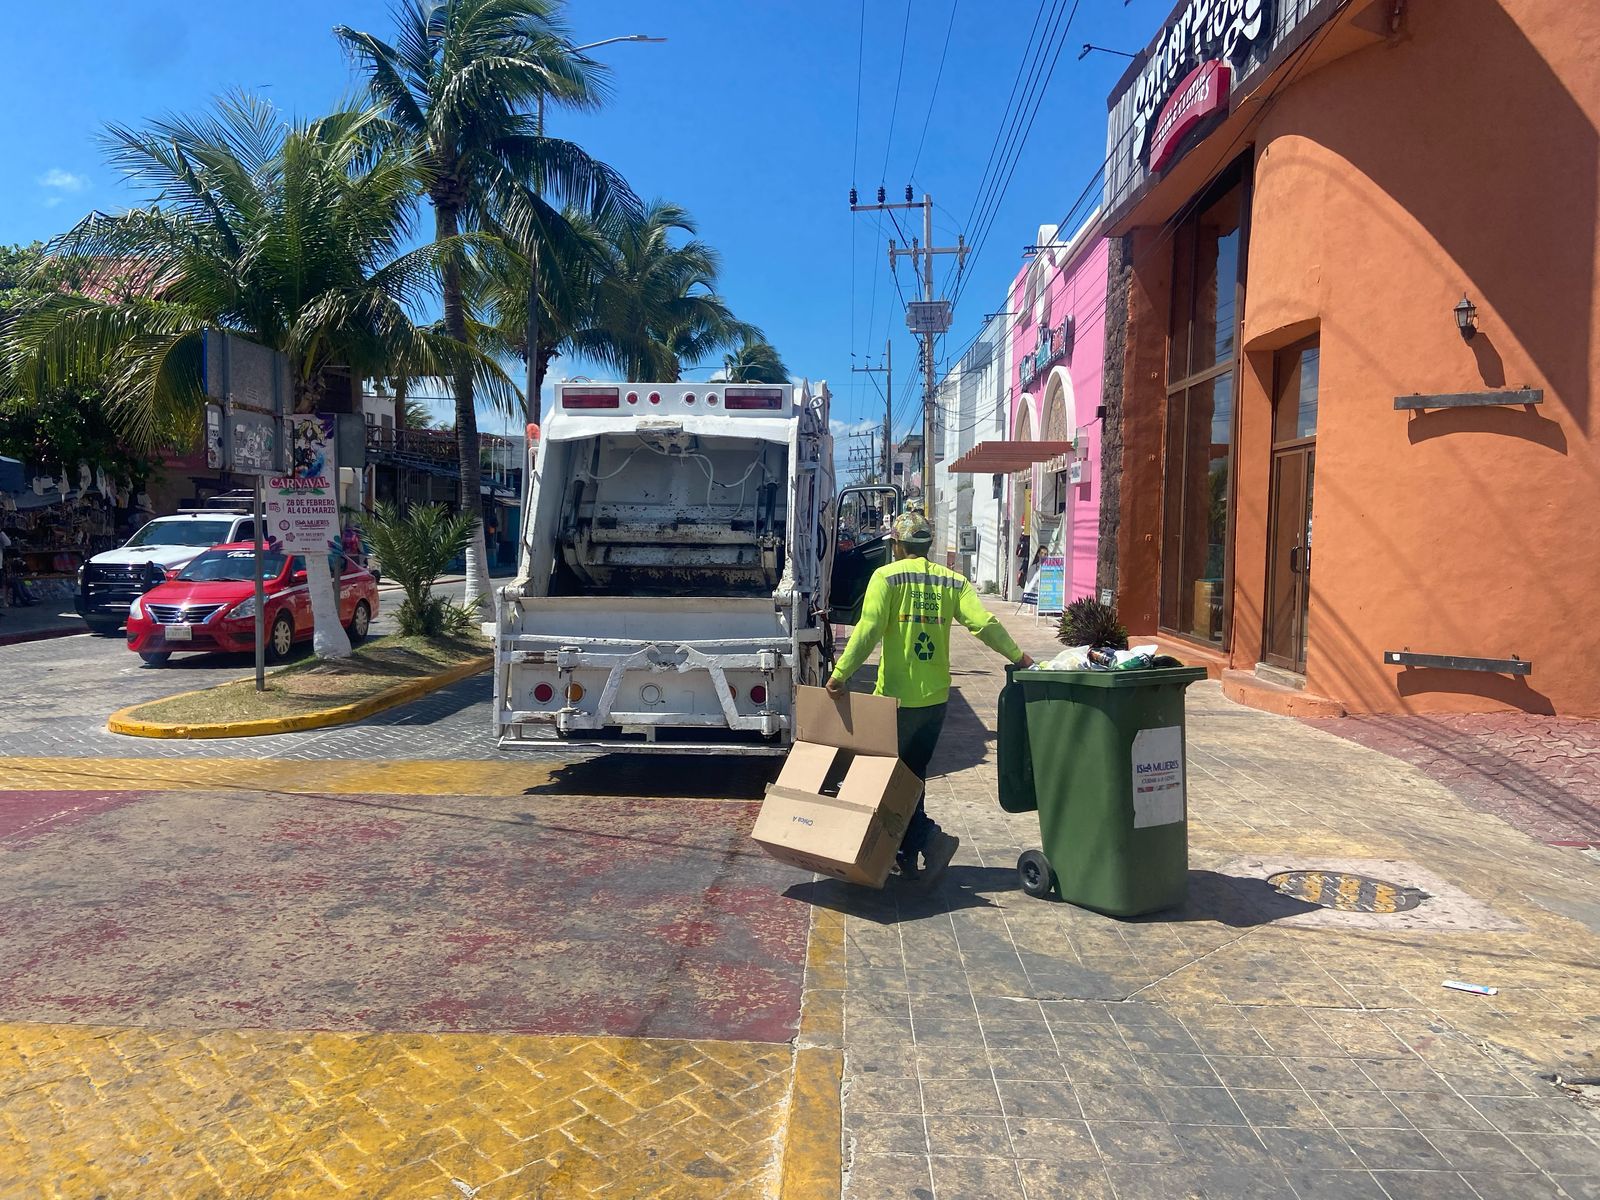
{"x":63,"y":181}
{"x":841,"y":428}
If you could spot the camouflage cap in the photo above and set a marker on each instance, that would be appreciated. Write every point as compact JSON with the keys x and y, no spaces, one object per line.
{"x":913,"y":529}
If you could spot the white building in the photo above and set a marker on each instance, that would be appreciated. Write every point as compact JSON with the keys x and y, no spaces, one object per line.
{"x":972,"y":399}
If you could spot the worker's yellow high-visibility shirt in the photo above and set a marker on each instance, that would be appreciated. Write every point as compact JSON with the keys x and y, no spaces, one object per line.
{"x":909,"y":607}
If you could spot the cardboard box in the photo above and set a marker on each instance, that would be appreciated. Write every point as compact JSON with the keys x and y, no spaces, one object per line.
{"x":842,"y":802}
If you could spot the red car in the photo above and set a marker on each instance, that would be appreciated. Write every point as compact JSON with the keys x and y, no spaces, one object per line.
{"x":209,"y":605}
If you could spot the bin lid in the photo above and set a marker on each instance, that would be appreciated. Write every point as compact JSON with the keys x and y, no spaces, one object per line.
{"x":1146,"y":677}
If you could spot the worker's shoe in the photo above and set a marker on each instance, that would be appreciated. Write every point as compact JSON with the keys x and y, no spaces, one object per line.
{"x":905,"y":866}
{"x":936,"y":856}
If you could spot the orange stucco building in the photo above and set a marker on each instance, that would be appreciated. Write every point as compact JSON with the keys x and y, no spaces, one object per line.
{"x":1353,"y":413}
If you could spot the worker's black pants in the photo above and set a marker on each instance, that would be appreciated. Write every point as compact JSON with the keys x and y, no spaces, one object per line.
{"x":919,"y":734}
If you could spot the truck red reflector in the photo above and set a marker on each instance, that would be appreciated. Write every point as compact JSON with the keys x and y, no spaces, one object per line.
{"x":752,"y":398}
{"x":594,"y":398}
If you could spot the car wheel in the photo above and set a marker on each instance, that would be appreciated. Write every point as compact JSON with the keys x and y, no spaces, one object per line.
{"x":280,"y":640}
{"x":155,"y":658}
{"x":103,"y":628}
{"x":360,"y":622}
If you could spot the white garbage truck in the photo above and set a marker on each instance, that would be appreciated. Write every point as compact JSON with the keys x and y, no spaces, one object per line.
{"x":679,"y":553}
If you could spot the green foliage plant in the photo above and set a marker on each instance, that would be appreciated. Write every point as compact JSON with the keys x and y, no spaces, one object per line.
{"x":414,"y":548}
{"x":1087,"y":622}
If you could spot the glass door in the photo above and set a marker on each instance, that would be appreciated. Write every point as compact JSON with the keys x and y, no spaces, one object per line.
{"x":1294,"y":458}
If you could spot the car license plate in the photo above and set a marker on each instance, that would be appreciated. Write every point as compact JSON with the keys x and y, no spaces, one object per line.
{"x":180,"y":633}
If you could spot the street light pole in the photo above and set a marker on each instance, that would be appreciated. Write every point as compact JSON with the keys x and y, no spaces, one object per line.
{"x":531,"y":401}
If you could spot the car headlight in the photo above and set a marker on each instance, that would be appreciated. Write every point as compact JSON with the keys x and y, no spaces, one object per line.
{"x":245,"y":608}
{"x":80,"y":574}
{"x":136,"y":609}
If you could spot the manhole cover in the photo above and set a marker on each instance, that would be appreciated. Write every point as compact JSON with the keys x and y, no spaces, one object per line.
{"x":1347,"y":892}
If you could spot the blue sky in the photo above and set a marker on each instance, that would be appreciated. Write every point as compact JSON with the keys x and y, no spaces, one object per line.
{"x":747,"y":116}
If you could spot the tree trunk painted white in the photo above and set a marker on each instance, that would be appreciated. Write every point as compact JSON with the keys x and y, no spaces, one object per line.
{"x":479,"y":599}
{"x":328,"y":638}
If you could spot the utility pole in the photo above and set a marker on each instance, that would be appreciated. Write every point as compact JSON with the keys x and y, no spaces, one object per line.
{"x":927,"y":318}
{"x":887,"y":371}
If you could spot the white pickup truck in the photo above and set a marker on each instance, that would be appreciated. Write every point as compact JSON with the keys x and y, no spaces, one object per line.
{"x":676,"y":570}
{"x":113,"y":579}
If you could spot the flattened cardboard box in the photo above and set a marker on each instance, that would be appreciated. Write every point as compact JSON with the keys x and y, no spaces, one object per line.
{"x":842,"y":801}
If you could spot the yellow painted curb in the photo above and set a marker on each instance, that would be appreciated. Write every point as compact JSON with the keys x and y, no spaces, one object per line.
{"x":123,"y":720}
{"x":812,"y":1156}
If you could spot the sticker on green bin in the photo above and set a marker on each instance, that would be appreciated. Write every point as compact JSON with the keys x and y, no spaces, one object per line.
{"x":1158,"y":776}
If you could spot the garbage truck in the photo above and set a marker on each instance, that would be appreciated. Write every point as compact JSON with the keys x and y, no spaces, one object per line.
{"x":678,"y":571}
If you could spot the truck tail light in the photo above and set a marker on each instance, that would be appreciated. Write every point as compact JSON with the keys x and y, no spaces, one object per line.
{"x":592,"y":398}
{"x":758,"y":694}
{"x":767,"y":399}
{"x":544,"y":693}
{"x":574,"y":692}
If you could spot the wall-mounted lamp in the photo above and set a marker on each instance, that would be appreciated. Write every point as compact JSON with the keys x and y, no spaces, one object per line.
{"x":1089,"y":48}
{"x":1467,"y":319}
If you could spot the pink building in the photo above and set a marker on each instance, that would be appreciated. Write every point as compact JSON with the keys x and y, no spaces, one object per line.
{"x":1057,"y":360}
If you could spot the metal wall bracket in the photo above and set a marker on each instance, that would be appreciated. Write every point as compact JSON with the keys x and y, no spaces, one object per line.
{"x":1520,"y":396}
{"x":1454,"y":662}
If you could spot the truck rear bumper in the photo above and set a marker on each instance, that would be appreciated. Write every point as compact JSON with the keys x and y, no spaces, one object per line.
{"x":581,"y":693}
{"x":588,"y":747}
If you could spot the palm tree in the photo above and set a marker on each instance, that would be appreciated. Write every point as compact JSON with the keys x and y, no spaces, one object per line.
{"x":290,"y":234}
{"x":657,"y":310}
{"x":457,"y":84}
{"x":754,"y":360}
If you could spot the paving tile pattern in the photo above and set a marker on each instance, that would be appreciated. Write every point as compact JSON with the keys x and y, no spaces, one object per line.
{"x":127,"y":1114}
{"x":1540,"y":774}
{"x":539,"y":915}
{"x":998,"y":1046}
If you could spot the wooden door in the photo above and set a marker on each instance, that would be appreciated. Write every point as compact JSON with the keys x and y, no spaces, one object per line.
{"x":1293,"y":479}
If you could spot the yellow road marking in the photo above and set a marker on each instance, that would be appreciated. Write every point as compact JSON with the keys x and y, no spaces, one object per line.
{"x":135,"y":1113}
{"x":326,"y":776}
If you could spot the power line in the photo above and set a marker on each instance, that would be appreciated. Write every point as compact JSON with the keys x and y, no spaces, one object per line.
{"x":938,"y":75}
{"x":894,"y":110}
{"x":1296,"y":60}
{"x":980,"y":236}
{"x":1006,"y":112}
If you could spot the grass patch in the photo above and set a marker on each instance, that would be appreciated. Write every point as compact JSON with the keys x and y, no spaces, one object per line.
{"x":312,"y":685}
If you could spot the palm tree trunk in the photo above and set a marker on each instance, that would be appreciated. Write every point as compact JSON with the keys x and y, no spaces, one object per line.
{"x":446,"y":225}
{"x":328,"y":638}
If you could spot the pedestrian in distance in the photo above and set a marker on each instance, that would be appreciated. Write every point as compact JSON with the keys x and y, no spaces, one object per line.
{"x":910,"y":606}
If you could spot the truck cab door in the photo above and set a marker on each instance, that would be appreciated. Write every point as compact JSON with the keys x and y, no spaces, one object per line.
{"x":861,"y":546}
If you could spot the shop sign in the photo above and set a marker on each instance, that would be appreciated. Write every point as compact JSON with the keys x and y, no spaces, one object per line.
{"x":1052,"y":347}
{"x":302,"y":507}
{"x":1223,"y":31}
{"x":1203,"y":92}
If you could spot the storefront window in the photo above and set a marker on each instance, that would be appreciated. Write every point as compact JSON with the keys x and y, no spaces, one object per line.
{"x":1199,"y":435}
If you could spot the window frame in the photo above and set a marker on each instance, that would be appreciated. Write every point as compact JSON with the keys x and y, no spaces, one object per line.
{"x":1238,"y":174}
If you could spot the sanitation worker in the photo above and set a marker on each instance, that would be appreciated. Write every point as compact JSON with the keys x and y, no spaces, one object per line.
{"x":909,"y":607}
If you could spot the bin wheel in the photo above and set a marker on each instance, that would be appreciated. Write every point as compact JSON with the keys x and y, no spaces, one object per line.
{"x":1034,"y":870}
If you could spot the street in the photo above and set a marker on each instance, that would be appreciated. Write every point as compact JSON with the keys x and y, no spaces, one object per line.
{"x":386,"y":960}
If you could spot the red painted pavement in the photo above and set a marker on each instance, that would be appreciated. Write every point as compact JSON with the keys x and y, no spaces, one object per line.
{"x":26,"y":815}
{"x":1539,"y":774}
{"x":539,"y":915}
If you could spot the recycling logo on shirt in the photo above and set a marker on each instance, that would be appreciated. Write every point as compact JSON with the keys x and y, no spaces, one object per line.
{"x":923,"y":647}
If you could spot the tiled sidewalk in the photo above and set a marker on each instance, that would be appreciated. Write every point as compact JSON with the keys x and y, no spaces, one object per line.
{"x":1541,"y":774}
{"x":999,"y":1046}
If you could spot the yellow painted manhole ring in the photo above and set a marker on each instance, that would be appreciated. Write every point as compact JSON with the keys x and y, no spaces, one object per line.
{"x":1346,"y":892}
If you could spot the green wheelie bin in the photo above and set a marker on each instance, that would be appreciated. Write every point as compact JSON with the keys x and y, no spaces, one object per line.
{"x":1107,"y":755}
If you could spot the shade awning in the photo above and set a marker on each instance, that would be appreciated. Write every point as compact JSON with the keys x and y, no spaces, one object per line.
{"x":1001,"y":458}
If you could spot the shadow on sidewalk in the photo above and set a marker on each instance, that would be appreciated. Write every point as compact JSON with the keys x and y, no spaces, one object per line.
{"x":1237,"y":901}
{"x":657,"y":777}
{"x":962,"y":887}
